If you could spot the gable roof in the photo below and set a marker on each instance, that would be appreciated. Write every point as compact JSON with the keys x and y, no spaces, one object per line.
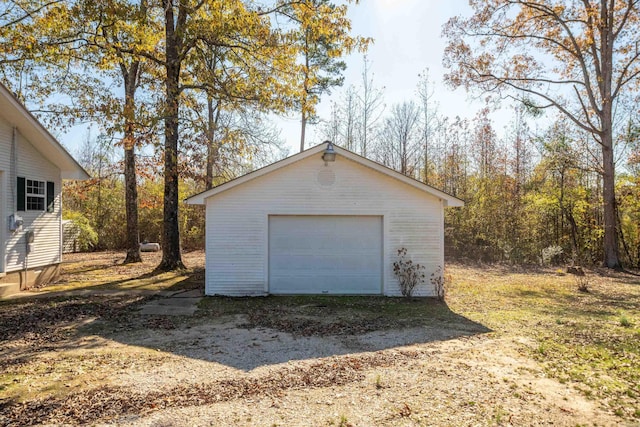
{"x":200,"y":198}
{"x":38,"y":136}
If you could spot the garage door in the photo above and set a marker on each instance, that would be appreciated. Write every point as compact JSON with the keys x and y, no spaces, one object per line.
{"x":325,"y":254}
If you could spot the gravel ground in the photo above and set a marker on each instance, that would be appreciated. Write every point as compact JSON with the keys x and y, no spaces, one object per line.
{"x":223,"y":374}
{"x":478,"y":380}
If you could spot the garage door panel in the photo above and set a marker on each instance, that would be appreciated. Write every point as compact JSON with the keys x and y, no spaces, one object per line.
{"x":325,"y":254}
{"x":326,"y":284}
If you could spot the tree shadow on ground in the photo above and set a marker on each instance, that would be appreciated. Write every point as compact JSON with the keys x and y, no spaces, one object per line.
{"x":242,"y":333}
{"x":247,"y":333}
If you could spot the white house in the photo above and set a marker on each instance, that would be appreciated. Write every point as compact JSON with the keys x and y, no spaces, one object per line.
{"x":324,"y":221}
{"x":32,"y":167}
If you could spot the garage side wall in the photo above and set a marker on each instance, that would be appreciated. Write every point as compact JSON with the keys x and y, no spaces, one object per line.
{"x":237,"y":221}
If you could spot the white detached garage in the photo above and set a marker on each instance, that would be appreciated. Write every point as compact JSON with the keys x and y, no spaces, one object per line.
{"x":304,"y":225}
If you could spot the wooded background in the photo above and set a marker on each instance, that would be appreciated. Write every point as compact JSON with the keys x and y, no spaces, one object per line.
{"x":184,"y":93}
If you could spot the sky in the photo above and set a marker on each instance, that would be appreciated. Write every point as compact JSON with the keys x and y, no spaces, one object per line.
{"x":407,"y":40}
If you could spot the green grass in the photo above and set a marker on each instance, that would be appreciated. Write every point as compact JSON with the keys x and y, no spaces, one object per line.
{"x":370,"y":306}
{"x":323,"y":315}
{"x":624,"y":321}
{"x":104,"y":271}
{"x":581,"y":338}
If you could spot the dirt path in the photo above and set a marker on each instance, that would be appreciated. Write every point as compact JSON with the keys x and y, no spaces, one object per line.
{"x":221,"y":373}
{"x":479,"y":380}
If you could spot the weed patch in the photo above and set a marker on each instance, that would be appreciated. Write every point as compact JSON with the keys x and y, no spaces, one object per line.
{"x":330,"y":315}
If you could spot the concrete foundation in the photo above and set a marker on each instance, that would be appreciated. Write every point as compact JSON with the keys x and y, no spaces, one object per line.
{"x":21,"y":280}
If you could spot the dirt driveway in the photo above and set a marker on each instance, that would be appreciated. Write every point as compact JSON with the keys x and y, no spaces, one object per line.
{"x":225,"y":371}
{"x":307,"y":361}
{"x":264,"y":377}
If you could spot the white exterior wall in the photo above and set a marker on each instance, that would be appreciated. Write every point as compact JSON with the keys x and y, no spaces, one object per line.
{"x":237,"y":221}
{"x":46,"y":226}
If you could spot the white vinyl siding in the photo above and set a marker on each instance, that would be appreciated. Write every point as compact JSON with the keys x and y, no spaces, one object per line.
{"x":237,"y":243}
{"x":46,"y":249}
{"x":3,"y":210}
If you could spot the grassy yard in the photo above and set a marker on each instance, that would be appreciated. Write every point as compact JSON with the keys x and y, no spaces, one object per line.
{"x":105,"y":271}
{"x":60,"y":351}
{"x":590,"y":340}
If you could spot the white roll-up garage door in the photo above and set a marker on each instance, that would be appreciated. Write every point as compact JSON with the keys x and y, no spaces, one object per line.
{"x":325,"y":254}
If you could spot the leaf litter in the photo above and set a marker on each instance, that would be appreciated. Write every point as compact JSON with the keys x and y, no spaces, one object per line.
{"x":105,"y":403}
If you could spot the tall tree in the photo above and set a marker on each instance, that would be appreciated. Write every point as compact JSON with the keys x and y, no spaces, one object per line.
{"x":576,"y":56}
{"x":429,"y":123}
{"x":110,"y":29}
{"x":371,"y":106}
{"x":399,"y":141}
{"x":331,"y":128}
{"x":323,"y":38}
{"x":256,"y":58}
{"x":82,"y":45}
{"x":484,"y":151}
{"x":233,"y":105}
{"x":342,"y":127}
{"x":243,"y":139}
{"x":349,"y":114}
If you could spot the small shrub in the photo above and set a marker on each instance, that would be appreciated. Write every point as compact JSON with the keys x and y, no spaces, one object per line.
{"x":409,"y":274}
{"x":583,"y":283}
{"x":379,"y":382}
{"x":344,"y":422}
{"x":438,"y":282}
{"x":624,"y":321}
{"x":551,"y":255}
{"x":86,"y":237}
{"x":542,"y":349}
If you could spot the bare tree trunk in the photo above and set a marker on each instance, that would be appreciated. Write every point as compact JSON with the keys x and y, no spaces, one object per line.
{"x":303,"y":128}
{"x":171,"y":253}
{"x":212,"y":145}
{"x":131,"y":189}
{"x":99,"y":211}
{"x":622,"y":239}
{"x":305,"y":94}
{"x":575,"y":247}
{"x":611,"y":254}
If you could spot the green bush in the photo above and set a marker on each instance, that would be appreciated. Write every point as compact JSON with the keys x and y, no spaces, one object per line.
{"x":87,"y":236}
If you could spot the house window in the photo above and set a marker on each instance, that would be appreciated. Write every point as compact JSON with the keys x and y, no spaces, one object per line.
{"x":34,"y":195}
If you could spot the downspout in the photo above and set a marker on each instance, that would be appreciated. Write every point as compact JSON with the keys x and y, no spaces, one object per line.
{"x":14,"y":191}
{"x":14,"y":197}
{"x":14,"y":169}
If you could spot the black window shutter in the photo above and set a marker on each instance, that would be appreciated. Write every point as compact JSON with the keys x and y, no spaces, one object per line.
{"x":51,"y":196}
{"x":21,"y":194}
